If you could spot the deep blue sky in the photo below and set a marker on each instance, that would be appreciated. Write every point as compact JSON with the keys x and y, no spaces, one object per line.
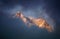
{"x":16,"y":29}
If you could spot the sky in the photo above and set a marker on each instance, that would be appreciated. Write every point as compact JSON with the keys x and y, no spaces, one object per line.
{"x":13,"y":28}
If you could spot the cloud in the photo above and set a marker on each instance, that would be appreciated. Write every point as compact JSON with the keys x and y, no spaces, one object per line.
{"x":35,"y":11}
